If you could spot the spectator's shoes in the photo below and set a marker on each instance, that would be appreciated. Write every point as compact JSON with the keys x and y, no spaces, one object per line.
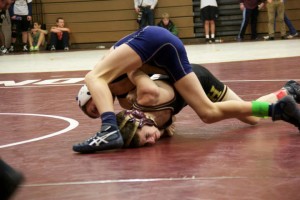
{"x":108,"y":138}
{"x":10,"y":180}
{"x":25,"y":49}
{"x":66,"y":48}
{"x":11,"y":48}
{"x":286,"y":109}
{"x":293,"y":89}
{"x":268,"y":38}
{"x":3,"y":50}
{"x":292,"y":36}
{"x":52,"y":48}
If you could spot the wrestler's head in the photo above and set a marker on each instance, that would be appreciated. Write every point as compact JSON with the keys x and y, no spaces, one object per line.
{"x":137,"y":128}
{"x":86,"y":104}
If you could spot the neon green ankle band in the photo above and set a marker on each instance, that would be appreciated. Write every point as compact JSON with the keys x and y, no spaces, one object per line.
{"x":260,"y":109}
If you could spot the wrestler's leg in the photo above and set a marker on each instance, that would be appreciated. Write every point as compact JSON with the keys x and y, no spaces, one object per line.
{"x":271,"y":98}
{"x":191,"y":90}
{"x":231,"y":95}
{"x":275,"y":96}
{"x":117,"y":62}
{"x":217,"y":91}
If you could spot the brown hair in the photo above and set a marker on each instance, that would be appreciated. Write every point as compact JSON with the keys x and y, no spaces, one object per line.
{"x":129,"y":121}
{"x":128,"y":129}
{"x":59,"y":19}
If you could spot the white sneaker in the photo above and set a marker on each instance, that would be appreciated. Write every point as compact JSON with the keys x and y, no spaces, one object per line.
{"x":11,"y":48}
{"x":266,"y":37}
{"x":66,"y":48}
{"x":25,"y":48}
{"x":290,"y":36}
{"x":3,"y":50}
{"x":52,"y":48}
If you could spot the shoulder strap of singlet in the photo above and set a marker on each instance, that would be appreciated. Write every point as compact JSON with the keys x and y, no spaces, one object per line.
{"x":164,"y":106}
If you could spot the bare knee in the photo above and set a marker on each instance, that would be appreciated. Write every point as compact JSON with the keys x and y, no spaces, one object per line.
{"x":90,"y":77}
{"x":208,"y":116}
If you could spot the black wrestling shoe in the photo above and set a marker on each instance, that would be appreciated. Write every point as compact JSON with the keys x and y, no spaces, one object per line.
{"x":108,"y":138}
{"x":293,"y":89}
{"x":286,"y":109}
{"x":10,"y":179}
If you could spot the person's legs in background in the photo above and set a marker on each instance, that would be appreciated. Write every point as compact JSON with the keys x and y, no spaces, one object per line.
{"x":212,"y":27}
{"x":40,"y":41}
{"x":245,"y":21}
{"x":292,"y":31}
{"x":206,"y":29}
{"x":143,"y":21}
{"x":254,"y":16}
{"x":3,"y":49}
{"x":65,"y":41}
{"x":53,"y":41}
{"x":271,"y":18}
{"x":150,"y":17}
{"x":14,"y":34}
{"x":280,"y":8}
{"x":25,"y":25}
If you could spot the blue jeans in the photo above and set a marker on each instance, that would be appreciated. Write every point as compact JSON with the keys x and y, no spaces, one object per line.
{"x":249,"y":15}
{"x":289,"y":24}
{"x":59,"y":44}
{"x":147,"y":17}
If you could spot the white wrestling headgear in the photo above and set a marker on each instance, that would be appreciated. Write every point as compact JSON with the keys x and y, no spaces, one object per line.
{"x":83,"y":96}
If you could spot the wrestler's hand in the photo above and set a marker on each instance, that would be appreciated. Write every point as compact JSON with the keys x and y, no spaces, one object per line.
{"x":170,"y":130}
{"x":131,"y":97}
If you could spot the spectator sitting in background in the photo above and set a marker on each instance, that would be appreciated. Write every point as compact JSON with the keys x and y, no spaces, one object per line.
{"x":59,"y":36}
{"x":36,"y":38}
{"x":166,"y":23}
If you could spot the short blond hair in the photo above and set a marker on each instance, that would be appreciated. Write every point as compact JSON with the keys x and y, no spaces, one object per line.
{"x":165,"y":15}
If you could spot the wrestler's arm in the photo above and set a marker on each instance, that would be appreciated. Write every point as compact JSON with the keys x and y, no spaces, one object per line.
{"x":148,"y":92}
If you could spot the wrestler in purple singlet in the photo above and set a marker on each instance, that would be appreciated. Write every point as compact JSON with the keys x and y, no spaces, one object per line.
{"x":159,"y":47}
